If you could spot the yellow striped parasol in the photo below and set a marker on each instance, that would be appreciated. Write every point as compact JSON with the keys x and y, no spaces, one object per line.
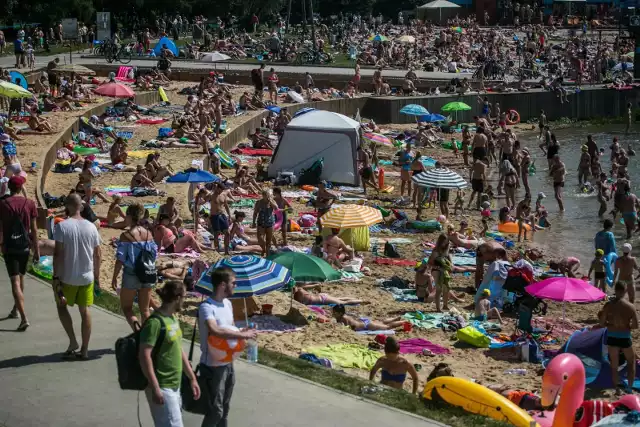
{"x":351,"y":216}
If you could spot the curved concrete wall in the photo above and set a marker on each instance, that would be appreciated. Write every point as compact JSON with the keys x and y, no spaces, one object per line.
{"x":48,"y":158}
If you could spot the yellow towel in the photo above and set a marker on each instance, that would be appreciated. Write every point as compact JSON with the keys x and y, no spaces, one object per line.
{"x":140,"y":154}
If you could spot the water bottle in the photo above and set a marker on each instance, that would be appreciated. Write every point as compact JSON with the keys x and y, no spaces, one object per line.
{"x":516,"y":371}
{"x":34,"y":166}
{"x":252,"y":348}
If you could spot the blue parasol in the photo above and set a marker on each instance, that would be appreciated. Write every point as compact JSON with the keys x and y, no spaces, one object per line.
{"x":273,"y":108}
{"x":14,"y":79}
{"x":254,"y":276}
{"x":414,"y":110}
{"x":192,"y":177}
{"x":432,"y":118}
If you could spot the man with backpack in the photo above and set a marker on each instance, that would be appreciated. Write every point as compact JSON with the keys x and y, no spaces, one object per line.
{"x":20,"y":232}
{"x":76,"y":266}
{"x":162,"y":358}
{"x":220,"y":343}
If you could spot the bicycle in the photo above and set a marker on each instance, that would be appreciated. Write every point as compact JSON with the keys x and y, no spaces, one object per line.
{"x":122,"y":55}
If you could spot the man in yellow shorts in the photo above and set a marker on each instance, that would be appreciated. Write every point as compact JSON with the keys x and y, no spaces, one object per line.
{"x":76,"y":265}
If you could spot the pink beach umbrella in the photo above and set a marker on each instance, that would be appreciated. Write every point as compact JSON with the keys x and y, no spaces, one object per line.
{"x":116,"y":90}
{"x":377,"y":138}
{"x":565,"y":289}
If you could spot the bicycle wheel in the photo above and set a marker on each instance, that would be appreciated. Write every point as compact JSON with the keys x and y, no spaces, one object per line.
{"x":108,"y":54}
{"x":124,"y":56}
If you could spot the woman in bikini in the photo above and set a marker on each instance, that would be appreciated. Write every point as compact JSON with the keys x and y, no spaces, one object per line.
{"x":364,"y":323}
{"x":237,"y":233}
{"x":165,"y":239}
{"x":264,"y":218}
{"x":243,"y":182}
{"x":302,"y":295}
{"x":284,"y":206}
{"x":114,"y":213}
{"x":510,"y":183}
{"x":336,"y":250}
{"x":394,"y":368}
{"x":38,"y":124}
{"x":155,"y":171}
{"x":140,"y":179}
{"x":441,"y":269}
{"x":118,"y":152}
{"x":86,"y":183}
{"x":416,"y":168}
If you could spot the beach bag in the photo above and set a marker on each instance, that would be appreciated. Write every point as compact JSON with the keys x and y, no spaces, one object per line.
{"x":130,"y":376}
{"x":474,"y":337}
{"x":311,"y":176}
{"x":189,"y":403}
{"x":16,"y":240}
{"x":390,"y":250}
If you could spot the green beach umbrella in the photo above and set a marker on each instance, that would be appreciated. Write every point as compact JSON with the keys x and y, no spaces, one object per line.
{"x":306,"y":268}
{"x":456,"y":106}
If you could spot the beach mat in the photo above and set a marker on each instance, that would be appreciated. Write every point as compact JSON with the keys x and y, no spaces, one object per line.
{"x":347,"y":355}
{"x":253,"y":151}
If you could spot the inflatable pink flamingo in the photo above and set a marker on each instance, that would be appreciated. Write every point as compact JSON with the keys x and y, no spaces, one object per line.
{"x":566,"y":374}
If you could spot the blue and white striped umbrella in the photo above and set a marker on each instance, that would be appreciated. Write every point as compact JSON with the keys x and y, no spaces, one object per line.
{"x":442,"y":178}
{"x":414,"y":110}
{"x":254,"y":276}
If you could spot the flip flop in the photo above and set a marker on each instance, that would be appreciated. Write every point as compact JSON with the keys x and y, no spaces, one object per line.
{"x":79,"y":356}
{"x":70,"y":355}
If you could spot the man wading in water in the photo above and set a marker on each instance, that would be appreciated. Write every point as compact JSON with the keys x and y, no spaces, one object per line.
{"x":625,"y":265}
{"x":627,"y":204}
{"x":558,"y":171}
{"x":619,"y":317}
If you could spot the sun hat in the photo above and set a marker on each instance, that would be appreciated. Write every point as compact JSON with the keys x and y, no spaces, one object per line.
{"x":626,"y":248}
{"x":541,"y":195}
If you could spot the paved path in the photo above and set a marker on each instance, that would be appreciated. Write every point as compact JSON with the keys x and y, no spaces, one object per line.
{"x":38,"y":389}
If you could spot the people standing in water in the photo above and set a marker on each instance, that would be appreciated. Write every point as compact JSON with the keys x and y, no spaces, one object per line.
{"x":603,"y":193}
{"x":393,"y":367}
{"x":557,"y":171}
{"x":627,"y":203}
{"x":620,"y":318}
{"x":584,"y":166}
{"x":629,"y":117}
{"x":542,"y":123}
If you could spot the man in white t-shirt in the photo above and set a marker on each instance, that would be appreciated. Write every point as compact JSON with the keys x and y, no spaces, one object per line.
{"x":76,"y":266}
{"x":220,"y":343}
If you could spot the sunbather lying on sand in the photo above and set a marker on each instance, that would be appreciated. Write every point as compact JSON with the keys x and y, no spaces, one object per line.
{"x":302,"y":295}
{"x":363,"y":323}
{"x":174,"y":270}
{"x":11,"y":131}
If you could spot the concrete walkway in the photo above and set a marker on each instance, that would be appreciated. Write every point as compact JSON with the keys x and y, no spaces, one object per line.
{"x":39,"y":389}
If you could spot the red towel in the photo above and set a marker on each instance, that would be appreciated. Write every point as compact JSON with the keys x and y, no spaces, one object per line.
{"x":150,"y":121}
{"x":395,"y":261}
{"x":253,"y":151}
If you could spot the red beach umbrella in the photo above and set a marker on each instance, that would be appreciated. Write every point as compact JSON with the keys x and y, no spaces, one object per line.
{"x":116,"y":90}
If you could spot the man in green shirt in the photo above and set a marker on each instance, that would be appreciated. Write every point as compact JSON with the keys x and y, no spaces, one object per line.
{"x":164,"y":370}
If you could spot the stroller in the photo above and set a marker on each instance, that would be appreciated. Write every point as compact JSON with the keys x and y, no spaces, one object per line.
{"x":517,"y":280}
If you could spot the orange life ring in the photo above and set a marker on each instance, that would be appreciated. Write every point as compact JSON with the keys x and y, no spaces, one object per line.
{"x":513,"y":113}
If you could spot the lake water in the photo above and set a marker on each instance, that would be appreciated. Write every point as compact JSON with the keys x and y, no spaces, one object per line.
{"x":572,"y":232}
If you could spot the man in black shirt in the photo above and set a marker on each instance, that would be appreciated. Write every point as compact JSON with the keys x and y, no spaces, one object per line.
{"x":256,"y":78}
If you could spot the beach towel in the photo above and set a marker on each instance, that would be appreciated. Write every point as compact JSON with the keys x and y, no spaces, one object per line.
{"x":253,"y":151}
{"x":417,"y":345}
{"x":269,"y":324}
{"x":402,"y":295}
{"x":462,"y":261}
{"x":393,"y":240}
{"x":380,"y":332}
{"x":351,"y":189}
{"x":124,"y":134}
{"x":188,"y":253}
{"x":350,"y":277}
{"x":347,"y":355}
{"x":140,"y":154}
{"x":112,"y":189}
{"x":395,"y":261}
{"x":424,"y":320}
{"x":151,"y":121}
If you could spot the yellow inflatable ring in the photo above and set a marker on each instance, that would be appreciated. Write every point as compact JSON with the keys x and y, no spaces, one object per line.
{"x":516,"y":117}
{"x":511,"y":227}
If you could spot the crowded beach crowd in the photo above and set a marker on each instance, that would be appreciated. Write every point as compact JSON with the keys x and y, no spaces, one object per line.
{"x":76,"y":243}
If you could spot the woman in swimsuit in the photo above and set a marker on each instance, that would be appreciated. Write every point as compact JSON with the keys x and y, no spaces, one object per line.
{"x":263,"y":217}
{"x":140,"y":179}
{"x":441,"y":269}
{"x":416,"y":167}
{"x":165,"y":239}
{"x":510,"y":183}
{"x":364,"y":323}
{"x":394,"y":368}
{"x":303,"y":296}
{"x":284,"y":206}
{"x":118,"y":151}
{"x":86,"y":183}
{"x":237,"y":234}
{"x":155,"y":170}
{"x":114,"y":212}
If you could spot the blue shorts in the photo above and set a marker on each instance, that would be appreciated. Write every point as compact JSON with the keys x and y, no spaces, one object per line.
{"x":481,"y":318}
{"x":219,"y":222}
{"x":630,"y":216}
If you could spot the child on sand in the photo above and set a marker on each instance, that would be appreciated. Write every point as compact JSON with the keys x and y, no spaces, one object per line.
{"x":459,"y":203}
{"x":598,"y":268}
{"x":483,"y":310}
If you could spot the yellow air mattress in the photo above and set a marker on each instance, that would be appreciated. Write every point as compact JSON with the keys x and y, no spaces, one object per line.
{"x":476,"y":399}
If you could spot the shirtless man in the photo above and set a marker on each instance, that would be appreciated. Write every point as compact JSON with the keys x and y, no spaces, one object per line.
{"x":484,"y":253}
{"x":525,"y":162}
{"x":302,"y":295}
{"x":477,"y":176}
{"x":625,"y":265}
{"x":628,"y":203}
{"x":542,"y":123}
{"x":217,"y":113}
{"x":366,"y":171}
{"x":620,"y":318}
{"x":558,"y":171}
{"x":584,"y":166}
{"x":480,"y":143}
{"x":629,"y":117}
{"x":219,"y":221}
{"x":324,"y":200}
{"x":377,"y":80}
{"x":336,"y":250}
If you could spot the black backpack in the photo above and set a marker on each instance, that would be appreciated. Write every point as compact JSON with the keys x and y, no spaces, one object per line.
{"x":130,"y":376}
{"x":145,"y":265}
{"x":390,"y":250}
{"x":16,"y":236}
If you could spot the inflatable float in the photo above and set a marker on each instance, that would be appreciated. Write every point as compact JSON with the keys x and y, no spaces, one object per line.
{"x":609,"y":260}
{"x":476,"y":399}
{"x":43,"y":268}
{"x":511,"y":227}
{"x":513,"y":117}
{"x":431,"y":225}
{"x":162,"y":94}
{"x":225,"y":159}
{"x":449,"y":145}
{"x":84,"y":151}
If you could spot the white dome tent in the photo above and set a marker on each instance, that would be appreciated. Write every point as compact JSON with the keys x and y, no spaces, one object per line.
{"x":319,"y":134}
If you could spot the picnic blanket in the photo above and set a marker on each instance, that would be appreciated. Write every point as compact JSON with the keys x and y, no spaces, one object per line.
{"x":269,"y":324}
{"x":124,"y":134}
{"x":347,"y":355}
{"x":113,"y":189}
{"x":417,"y":345}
